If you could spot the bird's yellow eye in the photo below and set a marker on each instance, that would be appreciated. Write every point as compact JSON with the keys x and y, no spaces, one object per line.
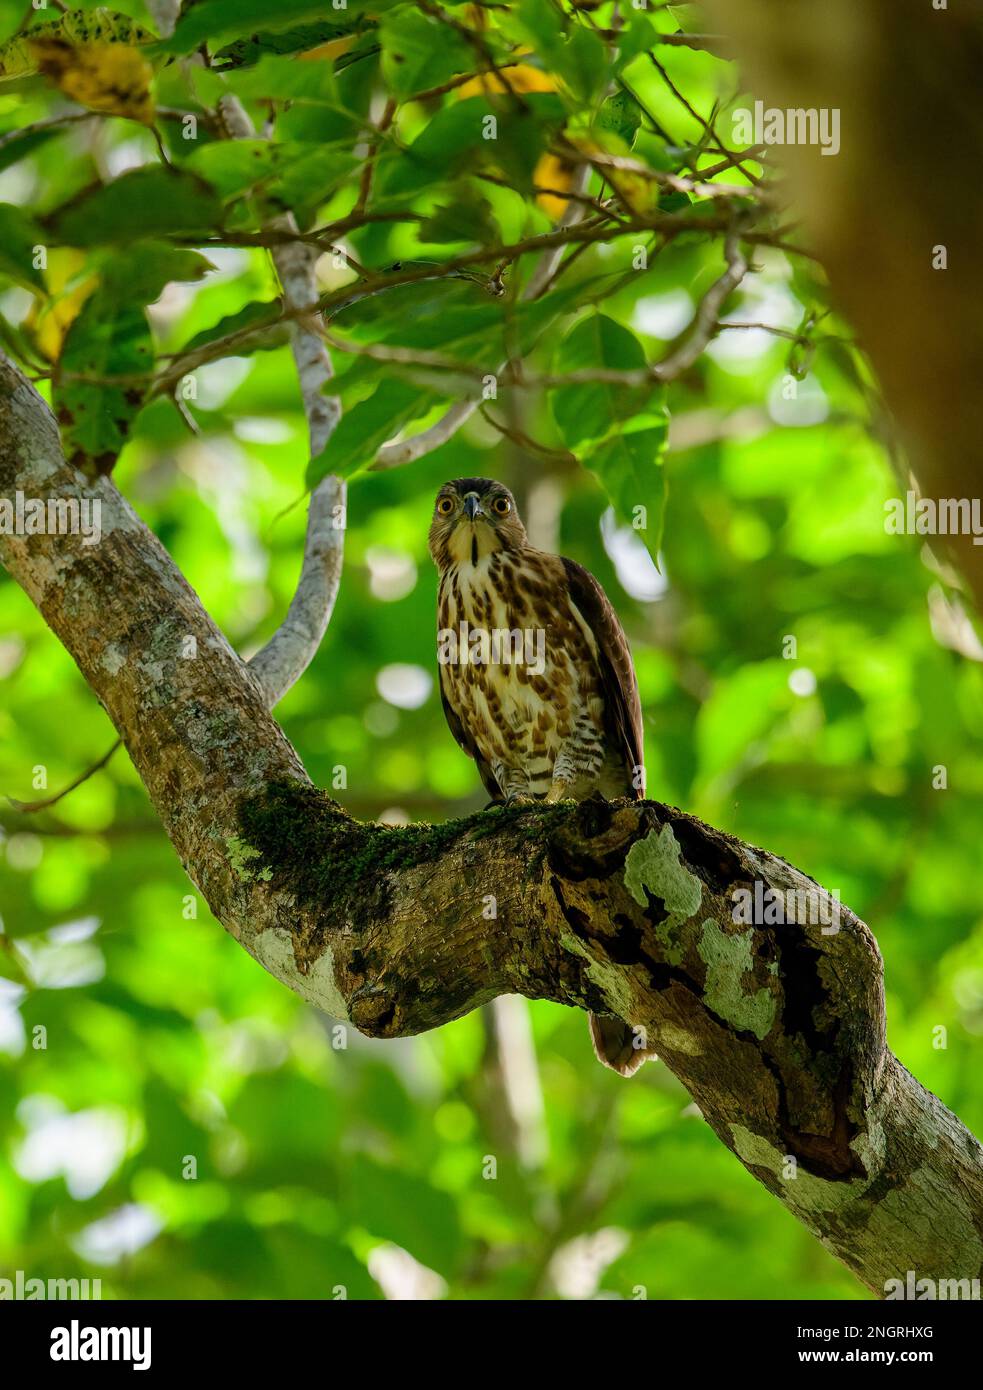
{"x":502,"y":506}
{"x":445,"y":505}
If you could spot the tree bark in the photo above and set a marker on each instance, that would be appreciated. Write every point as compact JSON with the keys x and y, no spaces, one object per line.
{"x":617,"y":907}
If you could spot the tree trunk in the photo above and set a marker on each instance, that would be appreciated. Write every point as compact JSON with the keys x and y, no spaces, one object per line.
{"x":895,"y":216}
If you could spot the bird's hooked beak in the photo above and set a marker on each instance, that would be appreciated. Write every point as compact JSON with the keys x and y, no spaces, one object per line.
{"x":472,"y":506}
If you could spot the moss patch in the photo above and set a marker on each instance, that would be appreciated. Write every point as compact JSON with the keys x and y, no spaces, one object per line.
{"x":298,"y":832}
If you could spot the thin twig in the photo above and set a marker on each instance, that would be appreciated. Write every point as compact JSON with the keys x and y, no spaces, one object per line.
{"x":48,"y":123}
{"x":460,"y":80}
{"x":684,"y":101}
{"x":30,"y":807}
{"x":368,"y":166}
{"x":704,"y":324}
{"x":525,"y":441}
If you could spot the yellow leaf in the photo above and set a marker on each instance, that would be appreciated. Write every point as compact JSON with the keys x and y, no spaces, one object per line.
{"x":49,"y":322}
{"x":522,"y":78}
{"x":109,"y":77}
{"x":553,"y":173}
{"x":628,"y":178}
{"x":327,"y":52}
{"x":637,"y":192}
{"x":73,"y":27}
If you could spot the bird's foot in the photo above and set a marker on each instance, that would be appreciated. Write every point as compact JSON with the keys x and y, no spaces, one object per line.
{"x":559,"y":791}
{"x":519,"y":799}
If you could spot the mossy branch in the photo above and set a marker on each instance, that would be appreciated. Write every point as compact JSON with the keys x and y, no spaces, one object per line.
{"x":621,"y":908}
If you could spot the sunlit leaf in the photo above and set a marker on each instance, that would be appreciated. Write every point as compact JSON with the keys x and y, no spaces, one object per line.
{"x":24,"y":53}
{"x":366,"y":427}
{"x":418,"y":52}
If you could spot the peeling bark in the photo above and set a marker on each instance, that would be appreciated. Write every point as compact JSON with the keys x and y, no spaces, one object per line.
{"x":622,"y":908}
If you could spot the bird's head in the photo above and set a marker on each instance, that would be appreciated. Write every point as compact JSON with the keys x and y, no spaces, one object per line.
{"x":472,"y":518}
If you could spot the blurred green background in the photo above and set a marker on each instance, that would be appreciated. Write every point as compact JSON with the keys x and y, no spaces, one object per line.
{"x":192,"y":1130}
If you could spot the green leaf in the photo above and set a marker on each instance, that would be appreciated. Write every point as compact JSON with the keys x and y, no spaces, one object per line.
{"x":365,"y":428}
{"x":107,"y":339}
{"x":451,"y":316}
{"x":234,"y":166}
{"x":10,"y":962}
{"x":218,"y":22}
{"x":310,"y":178}
{"x":310,"y":1266}
{"x":285,"y":79}
{"x":539,"y":22}
{"x":622,"y":115}
{"x":290,"y":175}
{"x":441,"y":147}
{"x":455,"y":139}
{"x":468,"y":219}
{"x":630,"y":469}
{"x":111,"y":337}
{"x":630,"y":423}
{"x":17,"y":343}
{"x":687,"y":16}
{"x":523,"y":137}
{"x":419,"y":53}
{"x":312,"y":119}
{"x":144,"y":202}
{"x":588,"y":412}
{"x":578,"y":56}
{"x":19,"y":235}
{"x":638,"y":36}
{"x":439,"y":313}
{"x":583,"y":63}
{"x":139,"y":273}
{"x":17,"y":145}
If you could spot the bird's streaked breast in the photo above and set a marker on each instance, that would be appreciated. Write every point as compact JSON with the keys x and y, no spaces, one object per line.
{"x":521,"y":711}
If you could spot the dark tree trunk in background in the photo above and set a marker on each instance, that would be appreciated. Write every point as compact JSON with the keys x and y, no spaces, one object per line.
{"x":907,"y":80}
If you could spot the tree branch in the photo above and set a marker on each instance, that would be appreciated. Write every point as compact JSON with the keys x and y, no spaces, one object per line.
{"x":292,"y":648}
{"x":704,"y":325}
{"x":403,"y":451}
{"x":624,"y":908}
{"x":669,"y":225}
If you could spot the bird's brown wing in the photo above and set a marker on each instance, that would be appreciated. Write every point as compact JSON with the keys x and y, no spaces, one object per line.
{"x":460,"y":732}
{"x":622,"y":707}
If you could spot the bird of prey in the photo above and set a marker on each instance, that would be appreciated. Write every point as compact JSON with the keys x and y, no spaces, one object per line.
{"x":536,"y":677}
